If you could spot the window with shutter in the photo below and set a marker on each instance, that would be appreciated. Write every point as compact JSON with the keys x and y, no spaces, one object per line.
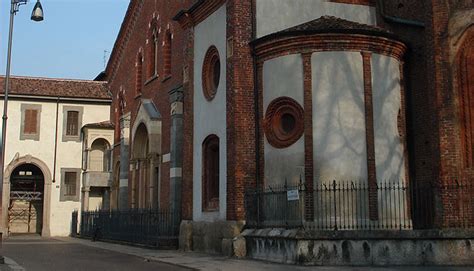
{"x":72,"y":123}
{"x":31,"y":121}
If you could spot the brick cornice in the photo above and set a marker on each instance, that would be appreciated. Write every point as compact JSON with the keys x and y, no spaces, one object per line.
{"x":329,"y":42}
{"x":198,"y":12}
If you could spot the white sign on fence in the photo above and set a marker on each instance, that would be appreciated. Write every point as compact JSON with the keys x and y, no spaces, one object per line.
{"x":292,"y":195}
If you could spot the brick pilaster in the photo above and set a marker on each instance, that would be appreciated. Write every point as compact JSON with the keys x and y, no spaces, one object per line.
{"x":308,"y":136}
{"x":369,"y":136}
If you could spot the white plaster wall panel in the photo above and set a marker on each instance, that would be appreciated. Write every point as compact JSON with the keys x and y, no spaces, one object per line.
{"x":338,"y":117}
{"x":389,"y":157}
{"x":389,"y":148}
{"x":210,"y":117}
{"x":277,"y":15}
{"x":283,"y":76}
{"x":69,"y":154}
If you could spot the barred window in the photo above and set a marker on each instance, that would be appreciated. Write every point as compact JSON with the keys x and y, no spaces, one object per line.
{"x":72,"y":123}
{"x":70,"y":183}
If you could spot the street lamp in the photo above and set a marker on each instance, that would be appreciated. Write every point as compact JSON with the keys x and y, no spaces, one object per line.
{"x":36,"y":15}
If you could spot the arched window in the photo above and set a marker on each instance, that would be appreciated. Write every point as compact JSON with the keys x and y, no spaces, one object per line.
{"x":167,"y":54}
{"x":152,"y":51}
{"x":465,"y":84}
{"x":138,"y":75}
{"x":210,"y":173}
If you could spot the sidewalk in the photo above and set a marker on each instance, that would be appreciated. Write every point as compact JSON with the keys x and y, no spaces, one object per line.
{"x":198,"y":261}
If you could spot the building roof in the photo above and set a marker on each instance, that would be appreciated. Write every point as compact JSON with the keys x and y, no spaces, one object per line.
{"x":51,"y":87}
{"x":328,"y":25}
{"x":101,"y":125}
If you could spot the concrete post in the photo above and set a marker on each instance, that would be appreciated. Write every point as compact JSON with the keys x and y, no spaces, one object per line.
{"x":124,"y":162}
{"x":176,"y":148}
{"x":85,"y":198}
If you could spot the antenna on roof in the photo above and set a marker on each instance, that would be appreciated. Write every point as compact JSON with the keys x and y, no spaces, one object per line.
{"x":105,"y":57}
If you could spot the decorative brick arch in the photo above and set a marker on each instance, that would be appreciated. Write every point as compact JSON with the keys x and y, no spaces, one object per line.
{"x":149,"y":116}
{"x":16,"y":162}
{"x":464,"y":73}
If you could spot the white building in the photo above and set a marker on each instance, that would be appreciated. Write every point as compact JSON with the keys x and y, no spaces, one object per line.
{"x":44,"y":151}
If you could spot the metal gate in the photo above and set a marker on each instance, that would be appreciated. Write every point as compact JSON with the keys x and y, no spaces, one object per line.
{"x":25,"y":212}
{"x":25,"y":209}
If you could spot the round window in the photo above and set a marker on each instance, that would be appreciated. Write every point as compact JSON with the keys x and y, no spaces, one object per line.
{"x":211,"y":73}
{"x":283,"y":122}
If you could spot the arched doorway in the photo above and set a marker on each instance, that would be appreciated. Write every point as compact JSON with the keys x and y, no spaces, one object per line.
{"x":25,"y":210}
{"x":146,"y":157}
{"x":141,"y":180}
{"x":16,"y":163}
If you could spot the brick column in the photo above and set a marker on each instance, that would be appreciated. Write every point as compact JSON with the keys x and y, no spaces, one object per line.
{"x":241,"y":164}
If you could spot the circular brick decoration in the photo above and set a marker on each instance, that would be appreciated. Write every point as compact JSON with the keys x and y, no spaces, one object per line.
{"x":211,"y":73}
{"x":284,"y":122}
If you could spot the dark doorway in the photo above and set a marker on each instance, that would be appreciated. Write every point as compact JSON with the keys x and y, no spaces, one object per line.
{"x":25,"y":211}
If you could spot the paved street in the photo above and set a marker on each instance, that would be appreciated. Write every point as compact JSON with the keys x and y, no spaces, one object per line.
{"x":70,"y":254}
{"x":34,"y":253}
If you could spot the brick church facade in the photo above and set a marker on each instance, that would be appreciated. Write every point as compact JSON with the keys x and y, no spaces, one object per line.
{"x":214,"y":97}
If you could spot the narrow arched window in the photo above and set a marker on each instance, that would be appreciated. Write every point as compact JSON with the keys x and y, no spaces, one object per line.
{"x":139,"y":74}
{"x":210,"y":173}
{"x":465,"y":84}
{"x":152,"y":52}
{"x":167,"y":54}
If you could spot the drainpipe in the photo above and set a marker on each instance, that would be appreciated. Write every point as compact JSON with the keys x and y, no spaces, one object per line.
{"x":398,"y":20}
{"x":55,"y":141}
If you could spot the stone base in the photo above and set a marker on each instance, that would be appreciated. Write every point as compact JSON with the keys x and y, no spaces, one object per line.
{"x":381,"y":248}
{"x":210,"y":237}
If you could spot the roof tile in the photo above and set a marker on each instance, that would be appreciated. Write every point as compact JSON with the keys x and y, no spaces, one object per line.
{"x":68,"y":88}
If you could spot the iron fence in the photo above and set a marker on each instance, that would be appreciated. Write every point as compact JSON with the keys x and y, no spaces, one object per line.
{"x":148,"y":227}
{"x":348,"y":205}
{"x":74,"y":223}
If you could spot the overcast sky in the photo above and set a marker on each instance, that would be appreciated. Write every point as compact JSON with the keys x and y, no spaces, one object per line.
{"x":69,"y":43}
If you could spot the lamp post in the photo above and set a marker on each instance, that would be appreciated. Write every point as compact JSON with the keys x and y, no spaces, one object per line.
{"x":36,"y":15}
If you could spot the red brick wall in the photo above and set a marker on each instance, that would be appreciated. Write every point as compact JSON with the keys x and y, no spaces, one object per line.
{"x":121,"y":68}
{"x":433,"y":128}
